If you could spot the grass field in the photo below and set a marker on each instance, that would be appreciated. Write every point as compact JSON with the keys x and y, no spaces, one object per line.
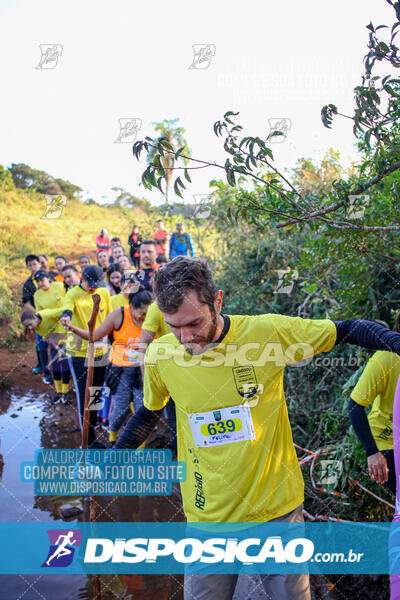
{"x":24,"y":231}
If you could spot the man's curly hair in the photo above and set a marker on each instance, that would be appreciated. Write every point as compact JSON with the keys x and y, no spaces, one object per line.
{"x":173,"y":280}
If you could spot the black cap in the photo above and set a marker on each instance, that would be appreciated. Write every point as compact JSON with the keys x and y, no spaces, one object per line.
{"x":94,"y":276}
{"x":41,"y":274}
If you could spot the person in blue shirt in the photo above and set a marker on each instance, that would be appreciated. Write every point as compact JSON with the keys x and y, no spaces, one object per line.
{"x":181,"y":243}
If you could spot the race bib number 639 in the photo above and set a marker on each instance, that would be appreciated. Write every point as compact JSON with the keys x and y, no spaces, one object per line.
{"x":223,"y":426}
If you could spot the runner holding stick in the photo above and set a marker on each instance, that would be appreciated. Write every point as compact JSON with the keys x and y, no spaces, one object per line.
{"x":89,"y":378}
{"x":85,"y":423}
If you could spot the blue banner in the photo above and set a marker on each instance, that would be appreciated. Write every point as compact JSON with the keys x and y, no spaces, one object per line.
{"x":156,"y":548}
{"x":76,"y":472}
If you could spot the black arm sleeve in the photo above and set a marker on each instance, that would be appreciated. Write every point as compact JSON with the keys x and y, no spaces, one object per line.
{"x":138,"y":428}
{"x":361,"y":426}
{"x":66,"y":313}
{"x":367,"y":334}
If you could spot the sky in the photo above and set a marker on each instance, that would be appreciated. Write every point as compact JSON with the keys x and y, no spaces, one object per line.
{"x":130,"y":60}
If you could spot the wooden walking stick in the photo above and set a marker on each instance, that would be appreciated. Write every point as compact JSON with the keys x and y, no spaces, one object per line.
{"x":93,"y":505}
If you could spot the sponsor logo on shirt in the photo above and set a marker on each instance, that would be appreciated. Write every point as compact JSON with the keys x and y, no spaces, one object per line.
{"x":245,"y":381}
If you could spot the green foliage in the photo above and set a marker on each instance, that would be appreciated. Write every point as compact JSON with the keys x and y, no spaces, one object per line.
{"x":162,"y":153}
{"x":6,"y":303}
{"x":127,"y":200}
{"x":25,"y":177}
{"x":6,"y":180}
{"x":338,"y":277}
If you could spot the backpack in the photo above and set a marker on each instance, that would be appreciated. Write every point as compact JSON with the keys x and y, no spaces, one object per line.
{"x":184,"y":239}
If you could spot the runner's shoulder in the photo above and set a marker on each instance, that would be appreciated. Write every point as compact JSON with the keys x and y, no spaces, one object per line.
{"x":165,"y":341}
{"x":58,"y":285}
{"x":387,"y":360}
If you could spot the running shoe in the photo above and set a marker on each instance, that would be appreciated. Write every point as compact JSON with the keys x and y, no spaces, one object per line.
{"x":36,"y":370}
{"x":65,"y":398}
{"x":47,"y":379}
{"x":56,"y":398}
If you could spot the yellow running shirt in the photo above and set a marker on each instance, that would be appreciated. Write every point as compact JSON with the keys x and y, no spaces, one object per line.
{"x":81,"y":304}
{"x":233,"y":427}
{"x":154,"y":321}
{"x":49,"y":299}
{"x":119,"y":300}
{"x":377,"y":386}
{"x":50,"y":322}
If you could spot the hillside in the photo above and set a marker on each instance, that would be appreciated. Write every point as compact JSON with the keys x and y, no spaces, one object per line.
{"x":24,"y":231}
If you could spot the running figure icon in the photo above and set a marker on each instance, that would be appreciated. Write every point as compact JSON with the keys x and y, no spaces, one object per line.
{"x":62,"y":549}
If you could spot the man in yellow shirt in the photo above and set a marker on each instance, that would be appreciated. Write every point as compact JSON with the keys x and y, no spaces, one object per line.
{"x":77,"y":309}
{"x":225,"y":374}
{"x":377,"y":386}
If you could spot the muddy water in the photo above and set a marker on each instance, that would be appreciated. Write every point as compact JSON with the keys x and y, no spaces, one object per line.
{"x":28,"y":422}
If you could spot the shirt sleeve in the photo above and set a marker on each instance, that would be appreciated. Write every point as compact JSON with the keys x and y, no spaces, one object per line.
{"x":301,"y":339}
{"x":107,"y":302}
{"x":68,"y":302}
{"x":36,"y":301}
{"x":152,"y":320}
{"x":51,"y":312}
{"x":156,"y":394}
{"x":372,"y":382}
{"x":27,"y":295}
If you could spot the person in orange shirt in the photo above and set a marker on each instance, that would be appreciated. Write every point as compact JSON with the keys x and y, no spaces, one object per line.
{"x":125,"y":324}
{"x":161,"y":237}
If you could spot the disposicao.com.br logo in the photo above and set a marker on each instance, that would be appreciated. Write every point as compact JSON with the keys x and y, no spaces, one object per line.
{"x":63,"y":543}
{"x":192,"y":550}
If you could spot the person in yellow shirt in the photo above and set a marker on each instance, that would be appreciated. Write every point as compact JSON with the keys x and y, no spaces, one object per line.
{"x":376,"y":387}
{"x":46,"y":323}
{"x":49,"y":294}
{"x":125,"y":324}
{"x":154,"y":326}
{"x":225,"y":373}
{"x":77,"y":310}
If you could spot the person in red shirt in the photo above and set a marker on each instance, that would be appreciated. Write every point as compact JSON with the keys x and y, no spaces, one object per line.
{"x":161,"y":237}
{"x":134,"y":241}
{"x":103,"y":242}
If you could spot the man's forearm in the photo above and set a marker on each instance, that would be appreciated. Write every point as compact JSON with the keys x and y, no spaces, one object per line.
{"x":138,"y":428}
{"x":28,"y":306}
{"x":146,"y":338}
{"x":361,"y":426}
{"x":367,"y":334}
{"x":83,"y":333}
